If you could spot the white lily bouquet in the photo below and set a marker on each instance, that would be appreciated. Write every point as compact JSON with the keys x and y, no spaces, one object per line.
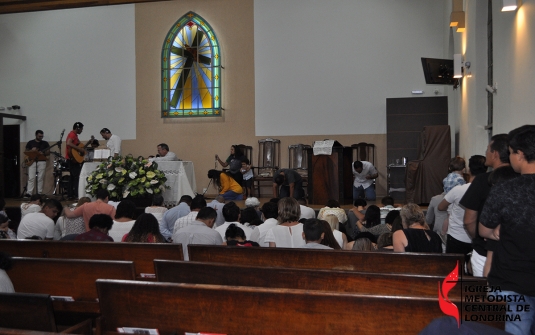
{"x":127,"y":177}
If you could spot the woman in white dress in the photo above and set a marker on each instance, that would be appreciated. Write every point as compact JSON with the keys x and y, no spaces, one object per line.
{"x":124,"y":220}
{"x":289,"y":232}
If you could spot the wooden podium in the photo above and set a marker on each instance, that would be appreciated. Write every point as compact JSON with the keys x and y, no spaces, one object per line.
{"x":330,"y":176}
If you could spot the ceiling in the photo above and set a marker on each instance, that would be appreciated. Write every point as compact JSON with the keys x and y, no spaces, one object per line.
{"x":21,"y":6}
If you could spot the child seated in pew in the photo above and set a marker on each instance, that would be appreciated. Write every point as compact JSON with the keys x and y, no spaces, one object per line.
{"x":5,"y":231}
{"x":235,"y":236}
{"x":314,"y":235}
{"x":145,"y":230}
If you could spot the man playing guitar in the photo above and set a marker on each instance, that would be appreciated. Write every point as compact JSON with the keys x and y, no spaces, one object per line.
{"x":36,"y":164}
{"x":74,"y":152}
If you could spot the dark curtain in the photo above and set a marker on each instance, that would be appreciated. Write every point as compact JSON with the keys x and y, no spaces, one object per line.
{"x":424,"y":176}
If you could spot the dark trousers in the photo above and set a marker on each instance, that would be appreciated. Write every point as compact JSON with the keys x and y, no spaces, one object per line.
{"x":299,"y":192}
{"x":74,"y":170}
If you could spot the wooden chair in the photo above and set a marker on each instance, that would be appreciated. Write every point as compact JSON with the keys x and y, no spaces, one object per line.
{"x":247,"y":152}
{"x":364,"y":152}
{"x":269,"y":157}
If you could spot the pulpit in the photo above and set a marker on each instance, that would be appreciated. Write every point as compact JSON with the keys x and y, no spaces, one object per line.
{"x":330,"y":176}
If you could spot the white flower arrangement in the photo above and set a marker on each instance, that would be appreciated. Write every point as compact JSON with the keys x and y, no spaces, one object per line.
{"x":127,"y":177}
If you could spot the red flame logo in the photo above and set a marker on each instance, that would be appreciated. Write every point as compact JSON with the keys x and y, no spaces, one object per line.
{"x":448,"y":307}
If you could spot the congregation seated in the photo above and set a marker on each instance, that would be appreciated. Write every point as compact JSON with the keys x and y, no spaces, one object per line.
{"x":328,"y":239}
{"x":416,"y":235}
{"x":313,"y":234}
{"x":195,"y":206}
{"x":218,"y":204}
{"x":99,"y":226}
{"x":33,"y":206}
{"x":384,"y":242}
{"x":167,"y":224}
{"x":199,"y":231}
{"x":353,"y":215}
{"x":73,"y":225}
{"x":333,"y":207}
{"x":306,"y":212}
{"x":124,"y":220}
{"x":235,"y":236}
{"x":145,"y":230}
{"x":340,"y":237}
{"x":6,"y":286}
{"x":231,"y":213}
{"x":288,"y":232}
{"x":40,"y":224}
{"x":269,"y":214}
{"x":87,"y":210}
{"x":249,"y":217}
{"x":5,"y":231}
{"x":382,"y":228}
{"x":253,"y":202}
{"x":157,"y":209}
{"x":363,"y":242}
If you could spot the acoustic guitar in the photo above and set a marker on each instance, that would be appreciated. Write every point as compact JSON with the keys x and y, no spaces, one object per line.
{"x":79,"y":157}
{"x":39,"y":155}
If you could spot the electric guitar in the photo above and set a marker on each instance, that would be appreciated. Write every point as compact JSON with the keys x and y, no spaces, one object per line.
{"x":77,"y":156}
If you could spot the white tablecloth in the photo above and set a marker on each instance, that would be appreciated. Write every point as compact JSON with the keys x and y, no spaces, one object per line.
{"x":180,"y":177}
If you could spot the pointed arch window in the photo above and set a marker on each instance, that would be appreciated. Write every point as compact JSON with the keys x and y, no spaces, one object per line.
{"x":191,"y":70}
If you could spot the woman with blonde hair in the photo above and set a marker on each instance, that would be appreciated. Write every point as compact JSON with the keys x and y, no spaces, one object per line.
{"x":340,"y":237}
{"x":289,"y":231}
{"x":416,"y":235}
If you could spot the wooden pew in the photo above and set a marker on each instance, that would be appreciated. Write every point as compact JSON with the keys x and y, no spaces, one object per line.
{"x":306,"y":279}
{"x":21,"y":313}
{"x":67,"y":277}
{"x":178,"y":308}
{"x":361,"y":261}
{"x":142,"y":254}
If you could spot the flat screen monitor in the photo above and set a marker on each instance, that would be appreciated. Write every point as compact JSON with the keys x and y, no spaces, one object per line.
{"x":438,"y":71}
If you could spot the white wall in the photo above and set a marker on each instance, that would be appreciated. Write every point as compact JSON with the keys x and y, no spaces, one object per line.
{"x":514,"y":70}
{"x":72,"y":65}
{"x":327,"y":67}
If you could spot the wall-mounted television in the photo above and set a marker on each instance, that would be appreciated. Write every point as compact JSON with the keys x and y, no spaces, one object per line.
{"x":438,"y":71}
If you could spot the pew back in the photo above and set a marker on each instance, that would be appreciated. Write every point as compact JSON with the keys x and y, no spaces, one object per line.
{"x":142,"y":254}
{"x":307,"y":279}
{"x":361,"y":261}
{"x":27,"y":311}
{"x":178,"y":308}
{"x":67,"y":277}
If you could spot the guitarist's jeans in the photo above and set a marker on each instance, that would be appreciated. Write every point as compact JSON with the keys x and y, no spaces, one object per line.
{"x":74,"y":170}
{"x":40,"y":167}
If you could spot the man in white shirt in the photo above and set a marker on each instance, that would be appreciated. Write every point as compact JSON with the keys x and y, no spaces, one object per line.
{"x":114,"y":142}
{"x":199,"y":231}
{"x":164,"y":154}
{"x":218,"y":204}
{"x":364,"y":173}
{"x":306,"y":212}
{"x":196,"y":204}
{"x":40,"y":224}
{"x":231,"y":213}
{"x":270,"y":212}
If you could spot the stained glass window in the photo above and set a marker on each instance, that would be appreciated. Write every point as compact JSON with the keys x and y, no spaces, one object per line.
{"x":191,"y":70}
